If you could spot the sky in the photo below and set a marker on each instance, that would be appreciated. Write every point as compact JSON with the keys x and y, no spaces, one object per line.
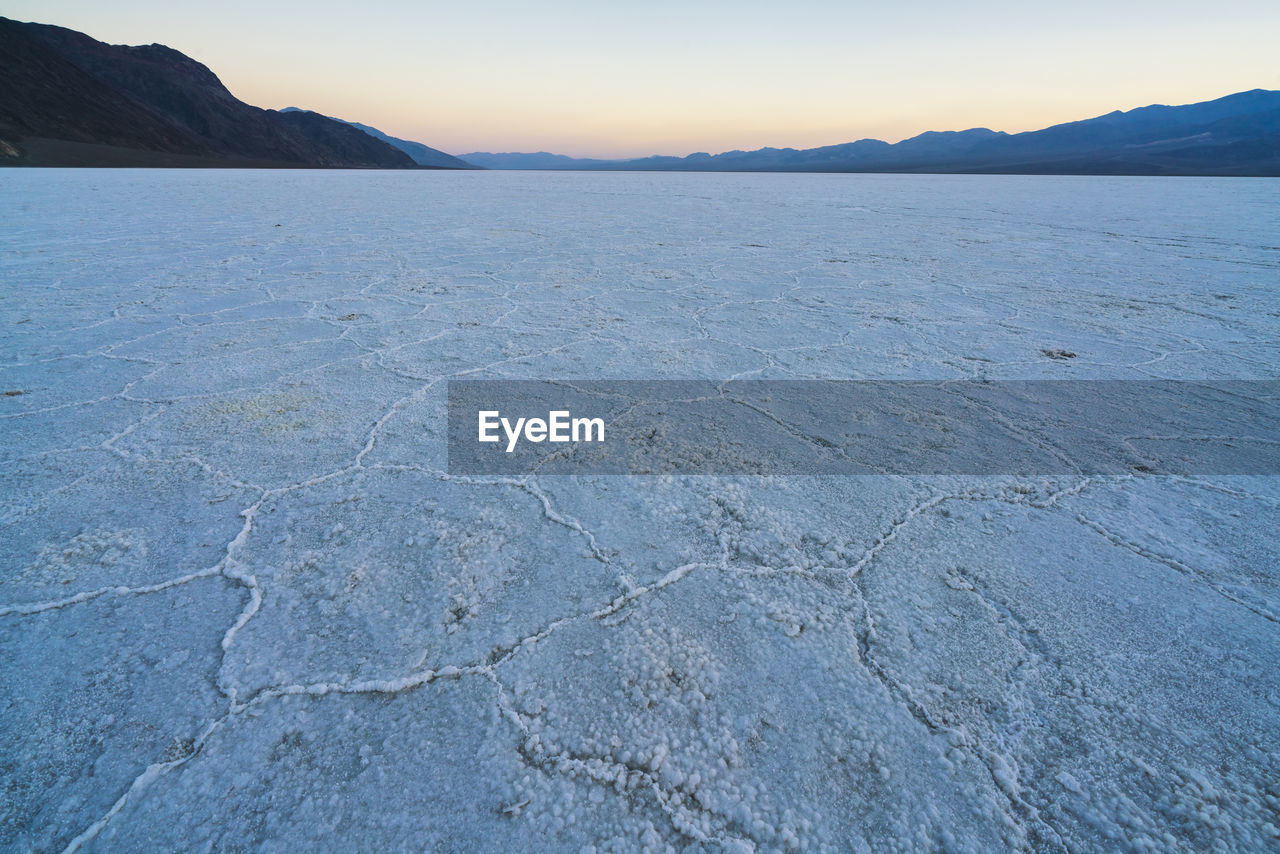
{"x":616,"y":79}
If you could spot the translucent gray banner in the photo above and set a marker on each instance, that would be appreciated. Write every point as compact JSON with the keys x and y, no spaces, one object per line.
{"x":781,"y":427}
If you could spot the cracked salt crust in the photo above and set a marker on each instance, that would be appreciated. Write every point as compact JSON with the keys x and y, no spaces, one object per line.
{"x":246,"y":606}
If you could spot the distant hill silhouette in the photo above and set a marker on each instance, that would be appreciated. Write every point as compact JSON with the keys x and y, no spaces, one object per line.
{"x":539,"y":160}
{"x":69,"y":100}
{"x":1235,"y":135}
{"x":423,"y":155}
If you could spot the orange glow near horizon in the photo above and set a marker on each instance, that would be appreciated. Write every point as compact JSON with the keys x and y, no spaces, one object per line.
{"x":663,"y":78}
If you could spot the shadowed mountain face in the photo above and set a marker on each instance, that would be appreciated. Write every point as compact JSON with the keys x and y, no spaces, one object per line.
{"x":69,"y":100}
{"x":423,"y":155}
{"x":1235,"y":135}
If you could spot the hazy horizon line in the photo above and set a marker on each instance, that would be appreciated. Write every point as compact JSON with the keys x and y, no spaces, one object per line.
{"x":495,"y":151}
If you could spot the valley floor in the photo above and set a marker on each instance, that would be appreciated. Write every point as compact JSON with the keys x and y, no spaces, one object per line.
{"x":244,"y":605}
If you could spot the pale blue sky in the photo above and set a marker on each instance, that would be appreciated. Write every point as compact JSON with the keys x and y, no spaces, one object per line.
{"x":614,"y":79}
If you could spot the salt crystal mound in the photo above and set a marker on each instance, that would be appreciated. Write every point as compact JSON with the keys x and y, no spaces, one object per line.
{"x":246,"y":605}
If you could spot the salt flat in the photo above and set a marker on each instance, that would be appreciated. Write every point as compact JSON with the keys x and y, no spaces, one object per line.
{"x":243,"y":605}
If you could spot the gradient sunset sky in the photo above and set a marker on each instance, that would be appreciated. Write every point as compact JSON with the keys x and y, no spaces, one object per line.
{"x":632,"y":79}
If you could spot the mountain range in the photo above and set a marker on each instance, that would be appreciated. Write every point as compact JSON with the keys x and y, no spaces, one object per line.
{"x":1235,"y":135}
{"x":67,"y":99}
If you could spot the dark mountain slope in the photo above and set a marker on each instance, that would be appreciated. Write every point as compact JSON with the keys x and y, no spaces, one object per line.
{"x":1212,"y":137}
{"x":351,"y":145}
{"x":43,"y":94}
{"x":58,"y":84}
{"x":423,"y":155}
{"x":1211,"y":143}
{"x":1139,"y":126}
